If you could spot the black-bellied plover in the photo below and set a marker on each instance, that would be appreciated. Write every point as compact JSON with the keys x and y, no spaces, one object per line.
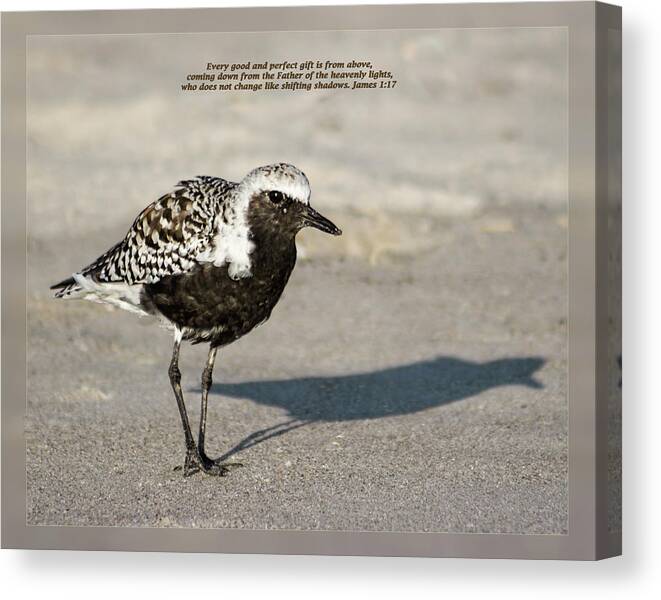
{"x":211,"y":259}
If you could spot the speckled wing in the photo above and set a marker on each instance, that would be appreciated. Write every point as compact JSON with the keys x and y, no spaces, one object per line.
{"x":167,"y":236}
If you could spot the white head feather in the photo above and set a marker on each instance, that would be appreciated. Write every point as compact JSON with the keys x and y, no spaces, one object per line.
{"x":280,"y":177}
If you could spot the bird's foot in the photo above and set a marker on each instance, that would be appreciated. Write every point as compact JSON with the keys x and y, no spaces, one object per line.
{"x":198,"y":461}
{"x":215,"y":467}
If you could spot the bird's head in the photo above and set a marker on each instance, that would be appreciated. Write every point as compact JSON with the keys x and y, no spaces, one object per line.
{"x":279,"y":198}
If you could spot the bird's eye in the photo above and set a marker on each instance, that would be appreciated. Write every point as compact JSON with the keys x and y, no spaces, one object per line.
{"x":276,"y":197}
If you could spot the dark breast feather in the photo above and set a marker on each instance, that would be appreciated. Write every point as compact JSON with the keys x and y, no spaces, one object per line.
{"x":209,"y":306}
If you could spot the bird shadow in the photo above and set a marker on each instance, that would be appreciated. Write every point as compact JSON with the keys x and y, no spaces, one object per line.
{"x":400,"y":390}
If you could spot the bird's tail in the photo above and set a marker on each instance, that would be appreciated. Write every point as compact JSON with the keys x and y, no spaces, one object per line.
{"x":66,"y":288}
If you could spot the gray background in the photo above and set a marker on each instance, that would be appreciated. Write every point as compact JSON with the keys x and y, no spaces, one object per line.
{"x":415,"y":370}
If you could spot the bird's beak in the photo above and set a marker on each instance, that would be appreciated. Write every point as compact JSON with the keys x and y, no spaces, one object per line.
{"x":311,"y":218}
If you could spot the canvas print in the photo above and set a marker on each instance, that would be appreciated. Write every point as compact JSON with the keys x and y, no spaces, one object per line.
{"x":309,"y":280}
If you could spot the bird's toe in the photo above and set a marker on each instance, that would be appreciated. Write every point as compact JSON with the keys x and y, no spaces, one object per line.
{"x":198,"y":461}
{"x":217,"y":467}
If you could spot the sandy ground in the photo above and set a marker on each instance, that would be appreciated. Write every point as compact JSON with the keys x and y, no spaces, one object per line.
{"x":408,"y":395}
{"x":412,"y":378}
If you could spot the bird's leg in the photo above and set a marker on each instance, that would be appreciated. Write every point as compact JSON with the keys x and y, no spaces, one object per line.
{"x":206,"y":385}
{"x":212,"y":467}
{"x":190,"y":466}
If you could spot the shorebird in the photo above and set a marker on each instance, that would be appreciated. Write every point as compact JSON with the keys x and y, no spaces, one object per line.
{"x":211,"y":260}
